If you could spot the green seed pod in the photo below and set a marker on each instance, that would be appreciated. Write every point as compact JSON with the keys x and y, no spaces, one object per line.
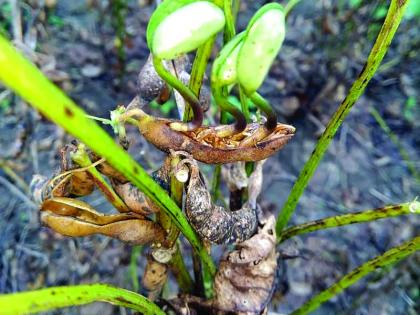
{"x":224,"y":70}
{"x":264,"y":37}
{"x":186,"y":29}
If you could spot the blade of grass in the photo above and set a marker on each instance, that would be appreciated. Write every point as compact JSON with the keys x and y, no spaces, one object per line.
{"x":390,"y":257}
{"x":391,"y":23}
{"x":58,"y":297}
{"x":394,"y":138}
{"x":25,"y":79}
{"x":351,"y":218}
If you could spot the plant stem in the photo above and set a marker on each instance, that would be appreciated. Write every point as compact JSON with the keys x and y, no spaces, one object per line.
{"x":81,"y":158}
{"x":59,"y":297}
{"x":185,"y":92}
{"x":395,"y":140}
{"x":289,"y":7}
{"x":390,"y":257}
{"x":351,"y":218}
{"x":55,"y":105}
{"x":392,"y":20}
{"x":230,"y":21}
{"x":265,"y":107}
{"x":180,"y":271}
{"x":118,"y":8}
{"x":135,"y":252}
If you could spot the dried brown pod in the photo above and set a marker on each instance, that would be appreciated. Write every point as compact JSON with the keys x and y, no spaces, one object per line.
{"x":154,"y":277}
{"x":245,"y":280}
{"x":212,"y":222}
{"x":135,"y":199}
{"x":80,"y":183}
{"x":76,"y":218}
{"x":211,"y":149}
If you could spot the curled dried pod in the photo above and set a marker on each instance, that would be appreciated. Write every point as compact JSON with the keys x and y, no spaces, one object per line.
{"x":212,"y":222}
{"x":107,"y":169}
{"x":211,"y":149}
{"x":76,"y":218}
{"x":246,"y":276}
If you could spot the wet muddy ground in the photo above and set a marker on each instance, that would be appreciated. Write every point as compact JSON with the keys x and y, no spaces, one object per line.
{"x":325,"y":48}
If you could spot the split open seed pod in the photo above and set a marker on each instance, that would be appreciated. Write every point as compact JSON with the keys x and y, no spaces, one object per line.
{"x":213,"y":149}
{"x":76,"y":218}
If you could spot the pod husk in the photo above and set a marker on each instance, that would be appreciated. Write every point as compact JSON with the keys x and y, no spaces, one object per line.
{"x":216,"y":151}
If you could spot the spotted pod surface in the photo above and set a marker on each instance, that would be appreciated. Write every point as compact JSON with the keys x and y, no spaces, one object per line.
{"x":212,"y":222}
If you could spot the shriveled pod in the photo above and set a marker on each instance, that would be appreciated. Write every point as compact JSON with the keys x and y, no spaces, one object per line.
{"x":215,"y":149}
{"x":245,"y":280}
{"x":212,"y":222}
{"x":135,"y":199}
{"x":76,"y":218}
{"x":246,"y":276}
{"x":154,"y":277}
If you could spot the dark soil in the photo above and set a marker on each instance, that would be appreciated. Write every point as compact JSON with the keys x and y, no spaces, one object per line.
{"x":325,"y":49}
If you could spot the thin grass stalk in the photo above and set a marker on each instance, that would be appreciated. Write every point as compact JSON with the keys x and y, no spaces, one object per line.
{"x":351,"y":218}
{"x":134,"y":276}
{"x":58,"y":297}
{"x":26,"y":80}
{"x":394,"y":138}
{"x":389,"y":27}
{"x":390,"y":257}
{"x":180,"y":271}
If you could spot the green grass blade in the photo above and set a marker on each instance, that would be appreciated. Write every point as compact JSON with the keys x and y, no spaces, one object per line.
{"x":377,"y":53}
{"x":58,"y":297}
{"x":390,"y":257}
{"x":351,"y":218}
{"x":27,"y":81}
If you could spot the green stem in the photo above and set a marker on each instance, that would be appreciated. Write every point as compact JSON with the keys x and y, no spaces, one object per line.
{"x":227,"y":106}
{"x":244,"y":104}
{"x":351,"y":218}
{"x":230,"y":21}
{"x":395,"y":140}
{"x":59,"y":297}
{"x":265,"y":107}
{"x":392,"y":20}
{"x":81,"y":157}
{"x":289,"y":7}
{"x":15,"y":72}
{"x":388,"y":258}
{"x":215,"y":185}
{"x":185,"y":92}
{"x":135,"y":252}
{"x":180,"y":271}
